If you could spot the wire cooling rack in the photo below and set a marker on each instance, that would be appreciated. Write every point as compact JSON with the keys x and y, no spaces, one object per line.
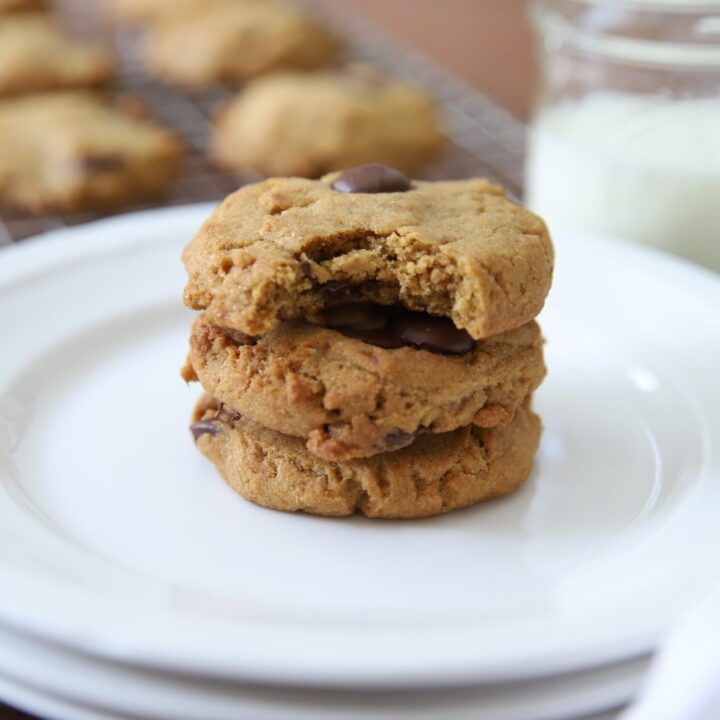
{"x":484,"y":139}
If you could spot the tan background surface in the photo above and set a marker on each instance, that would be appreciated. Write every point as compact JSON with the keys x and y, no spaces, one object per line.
{"x":486,"y":42}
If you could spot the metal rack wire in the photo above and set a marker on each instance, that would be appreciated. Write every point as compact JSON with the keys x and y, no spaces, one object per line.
{"x":483,"y":138}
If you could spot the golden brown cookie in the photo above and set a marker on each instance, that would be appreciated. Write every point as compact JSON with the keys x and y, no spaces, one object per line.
{"x":158,"y":10}
{"x":35,"y":55}
{"x":351,"y":398}
{"x":232,"y":42}
{"x":434,"y":475}
{"x":310,"y":124}
{"x":70,"y":151}
{"x":8,"y":6}
{"x":289,"y":247}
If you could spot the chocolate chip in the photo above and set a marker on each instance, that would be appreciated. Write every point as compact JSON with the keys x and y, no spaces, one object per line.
{"x":382,"y":337}
{"x":372,"y":178}
{"x":437,"y":334}
{"x":203,"y":427}
{"x":306,"y":269}
{"x":101,"y":163}
{"x":420,"y":330}
{"x":398,"y":438}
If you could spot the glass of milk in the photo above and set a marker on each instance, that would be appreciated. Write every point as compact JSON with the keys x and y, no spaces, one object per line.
{"x":626,"y":134}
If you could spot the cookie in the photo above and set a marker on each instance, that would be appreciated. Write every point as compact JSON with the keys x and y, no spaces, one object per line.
{"x":35,"y":56}
{"x":152,"y":11}
{"x":72,"y":151}
{"x":350,"y":396}
{"x":434,"y":475}
{"x":8,"y":6}
{"x":231,"y":42}
{"x":313,"y":123}
{"x":289,"y":247}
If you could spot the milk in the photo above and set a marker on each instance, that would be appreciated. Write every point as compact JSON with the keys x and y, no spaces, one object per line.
{"x":640,"y":167}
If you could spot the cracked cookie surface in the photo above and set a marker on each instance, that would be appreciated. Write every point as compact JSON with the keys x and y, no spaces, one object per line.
{"x":313,"y":123}
{"x":434,"y":475}
{"x":71,"y":151}
{"x":348,"y":398}
{"x":287,"y":247}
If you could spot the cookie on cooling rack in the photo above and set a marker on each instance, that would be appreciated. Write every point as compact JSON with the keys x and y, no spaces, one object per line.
{"x":313,"y":123}
{"x":371,"y":380}
{"x":233,"y":41}
{"x":35,"y":56}
{"x":8,"y":6}
{"x":434,"y":475}
{"x":152,"y":11}
{"x":71,"y":151}
{"x":289,"y":247}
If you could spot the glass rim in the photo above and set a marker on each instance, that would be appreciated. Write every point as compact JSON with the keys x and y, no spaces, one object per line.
{"x":670,"y":6}
{"x":557,"y":30}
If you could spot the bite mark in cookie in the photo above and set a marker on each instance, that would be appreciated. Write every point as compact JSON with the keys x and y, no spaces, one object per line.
{"x":288,"y":247}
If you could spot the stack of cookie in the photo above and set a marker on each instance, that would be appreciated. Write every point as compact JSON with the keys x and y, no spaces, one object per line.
{"x":367,"y":342}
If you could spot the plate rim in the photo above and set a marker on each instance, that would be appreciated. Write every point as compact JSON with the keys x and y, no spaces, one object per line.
{"x":79,"y":243}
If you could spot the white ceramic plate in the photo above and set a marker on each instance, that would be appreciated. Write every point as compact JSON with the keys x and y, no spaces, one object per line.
{"x":117,"y":537}
{"x":57,"y":683}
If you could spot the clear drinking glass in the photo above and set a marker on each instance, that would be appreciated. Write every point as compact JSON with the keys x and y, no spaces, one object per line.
{"x":626,"y":134}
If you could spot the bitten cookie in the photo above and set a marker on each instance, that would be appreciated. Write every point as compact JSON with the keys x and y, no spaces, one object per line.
{"x":35,"y":55}
{"x":231,"y":42}
{"x":289,"y":247}
{"x":434,"y":475}
{"x":310,"y":124}
{"x":71,"y":151}
{"x":352,"y":397}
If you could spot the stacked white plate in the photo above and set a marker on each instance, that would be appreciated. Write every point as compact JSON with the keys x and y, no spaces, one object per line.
{"x":134,"y":583}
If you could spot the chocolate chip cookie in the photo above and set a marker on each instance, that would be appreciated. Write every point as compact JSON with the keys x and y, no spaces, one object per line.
{"x":434,"y":475}
{"x":232,"y":42}
{"x":313,"y":123}
{"x":286,"y":248}
{"x":70,"y":151}
{"x":369,"y":379}
{"x":35,"y":56}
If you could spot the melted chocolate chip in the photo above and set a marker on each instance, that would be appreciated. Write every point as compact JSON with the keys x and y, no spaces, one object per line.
{"x":372,"y":178}
{"x":382,"y":337}
{"x":420,"y":330}
{"x":203,"y":427}
{"x":428,"y":332}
